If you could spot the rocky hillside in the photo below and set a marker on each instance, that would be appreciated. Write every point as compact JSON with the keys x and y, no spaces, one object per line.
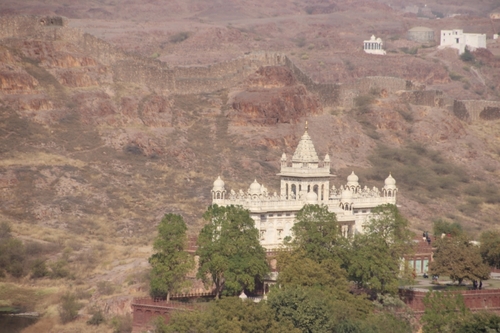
{"x":99,"y":140}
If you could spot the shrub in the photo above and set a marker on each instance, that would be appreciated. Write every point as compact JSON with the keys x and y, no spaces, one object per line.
{"x":5,"y":230}
{"x":68,"y":310}
{"x":179,"y":37}
{"x":455,"y":77}
{"x":407,"y":116}
{"x":363,"y":102}
{"x":105,"y":287}
{"x":59,"y":269}
{"x":39,"y":269}
{"x":411,"y":51}
{"x":97,"y":318}
{"x":122,"y":324}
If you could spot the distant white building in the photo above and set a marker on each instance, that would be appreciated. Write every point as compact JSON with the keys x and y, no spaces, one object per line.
{"x":459,"y":40}
{"x":306,"y":180}
{"x":374,"y":46}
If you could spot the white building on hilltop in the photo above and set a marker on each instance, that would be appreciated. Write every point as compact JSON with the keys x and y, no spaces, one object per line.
{"x":374,"y":46}
{"x":306,"y":180}
{"x":459,"y":40}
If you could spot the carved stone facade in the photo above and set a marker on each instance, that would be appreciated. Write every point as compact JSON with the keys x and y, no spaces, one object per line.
{"x":305,"y":180}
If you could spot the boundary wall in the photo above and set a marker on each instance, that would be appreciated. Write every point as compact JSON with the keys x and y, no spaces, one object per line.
{"x":473,"y":110}
{"x":475,"y":300}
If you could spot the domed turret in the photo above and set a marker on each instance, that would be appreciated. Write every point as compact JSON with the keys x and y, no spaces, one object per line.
{"x":311,"y":198}
{"x":327,"y":158}
{"x":254,"y":188}
{"x":218,"y":184}
{"x":390,"y":183}
{"x":352,"y":180}
{"x":283,"y":157}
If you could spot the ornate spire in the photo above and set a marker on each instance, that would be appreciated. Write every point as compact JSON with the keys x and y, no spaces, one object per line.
{"x":305,"y":152}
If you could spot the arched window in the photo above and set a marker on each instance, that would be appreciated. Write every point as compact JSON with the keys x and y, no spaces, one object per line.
{"x":294,"y":190}
{"x":315,"y":189}
{"x":286,"y":191}
{"x":322,"y":192}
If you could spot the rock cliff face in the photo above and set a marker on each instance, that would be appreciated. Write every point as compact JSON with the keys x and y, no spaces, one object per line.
{"x":272,"y":96}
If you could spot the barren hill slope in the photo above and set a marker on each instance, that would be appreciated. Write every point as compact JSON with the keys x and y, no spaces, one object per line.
{"x":99,"y":140}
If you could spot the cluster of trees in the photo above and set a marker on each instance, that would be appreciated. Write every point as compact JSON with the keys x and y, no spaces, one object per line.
{"x":230,"y":256}
{"x":327,"y":282}
{"x":318,"y":269}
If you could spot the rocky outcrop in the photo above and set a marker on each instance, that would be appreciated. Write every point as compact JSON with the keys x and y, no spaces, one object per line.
{"x":17,"y":82}
{"x":271,"y":96}
{"x":156,"y":112}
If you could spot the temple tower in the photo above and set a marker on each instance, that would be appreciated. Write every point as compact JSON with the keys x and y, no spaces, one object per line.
{"x":306,"y":173}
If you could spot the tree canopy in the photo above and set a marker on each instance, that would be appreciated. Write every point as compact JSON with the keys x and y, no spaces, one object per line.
{"x":460,"y":259}
{"x":490,"y":247}
{"x":170,"y":263}
{"x":375,"y":256}
{"x":448,"y":228}
{"x":230,"y":255}
{"x":228,"y":315}
{"x":443,"y":312}
{"x":316,"y":234}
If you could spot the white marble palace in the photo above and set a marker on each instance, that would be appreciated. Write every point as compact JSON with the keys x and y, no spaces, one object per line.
{"x":306,"y":180}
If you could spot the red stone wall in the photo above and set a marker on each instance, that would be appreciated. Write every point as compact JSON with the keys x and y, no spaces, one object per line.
{"x":487,"y":299}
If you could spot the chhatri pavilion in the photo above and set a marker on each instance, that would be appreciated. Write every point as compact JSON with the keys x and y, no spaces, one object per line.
{"x":306,"y":180}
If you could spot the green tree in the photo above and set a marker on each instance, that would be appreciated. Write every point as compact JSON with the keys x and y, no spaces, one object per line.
{"x":467,"y":56}
{"x":375,"y":256}
{"x":443,"y":312}
{"x":444,"y":227}
{"x":230,"y":255}
{"x":460,"y":259}
{"x":317,"y":235}
{"x":480,"y":322}
{"x":298,"y":270}
{"x":490,"y":247}
{"x":170,"y":263}
{"x":227,"y":315}
{"x":309,"y":309}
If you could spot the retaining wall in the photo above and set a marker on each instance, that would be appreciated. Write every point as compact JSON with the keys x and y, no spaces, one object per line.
{"x":432,"y":98}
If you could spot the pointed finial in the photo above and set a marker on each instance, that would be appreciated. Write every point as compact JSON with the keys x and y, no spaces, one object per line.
{"x":306,"y":125}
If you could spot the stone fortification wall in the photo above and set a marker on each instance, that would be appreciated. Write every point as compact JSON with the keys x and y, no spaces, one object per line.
{"x":473,"y":110}
{"x":432,"y":98}
{"x":328,"y":93}
{"x":390,"y":84}
{"x":223,"y":75}
{"x":13,"y":26}
{"x":364,"y":85}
